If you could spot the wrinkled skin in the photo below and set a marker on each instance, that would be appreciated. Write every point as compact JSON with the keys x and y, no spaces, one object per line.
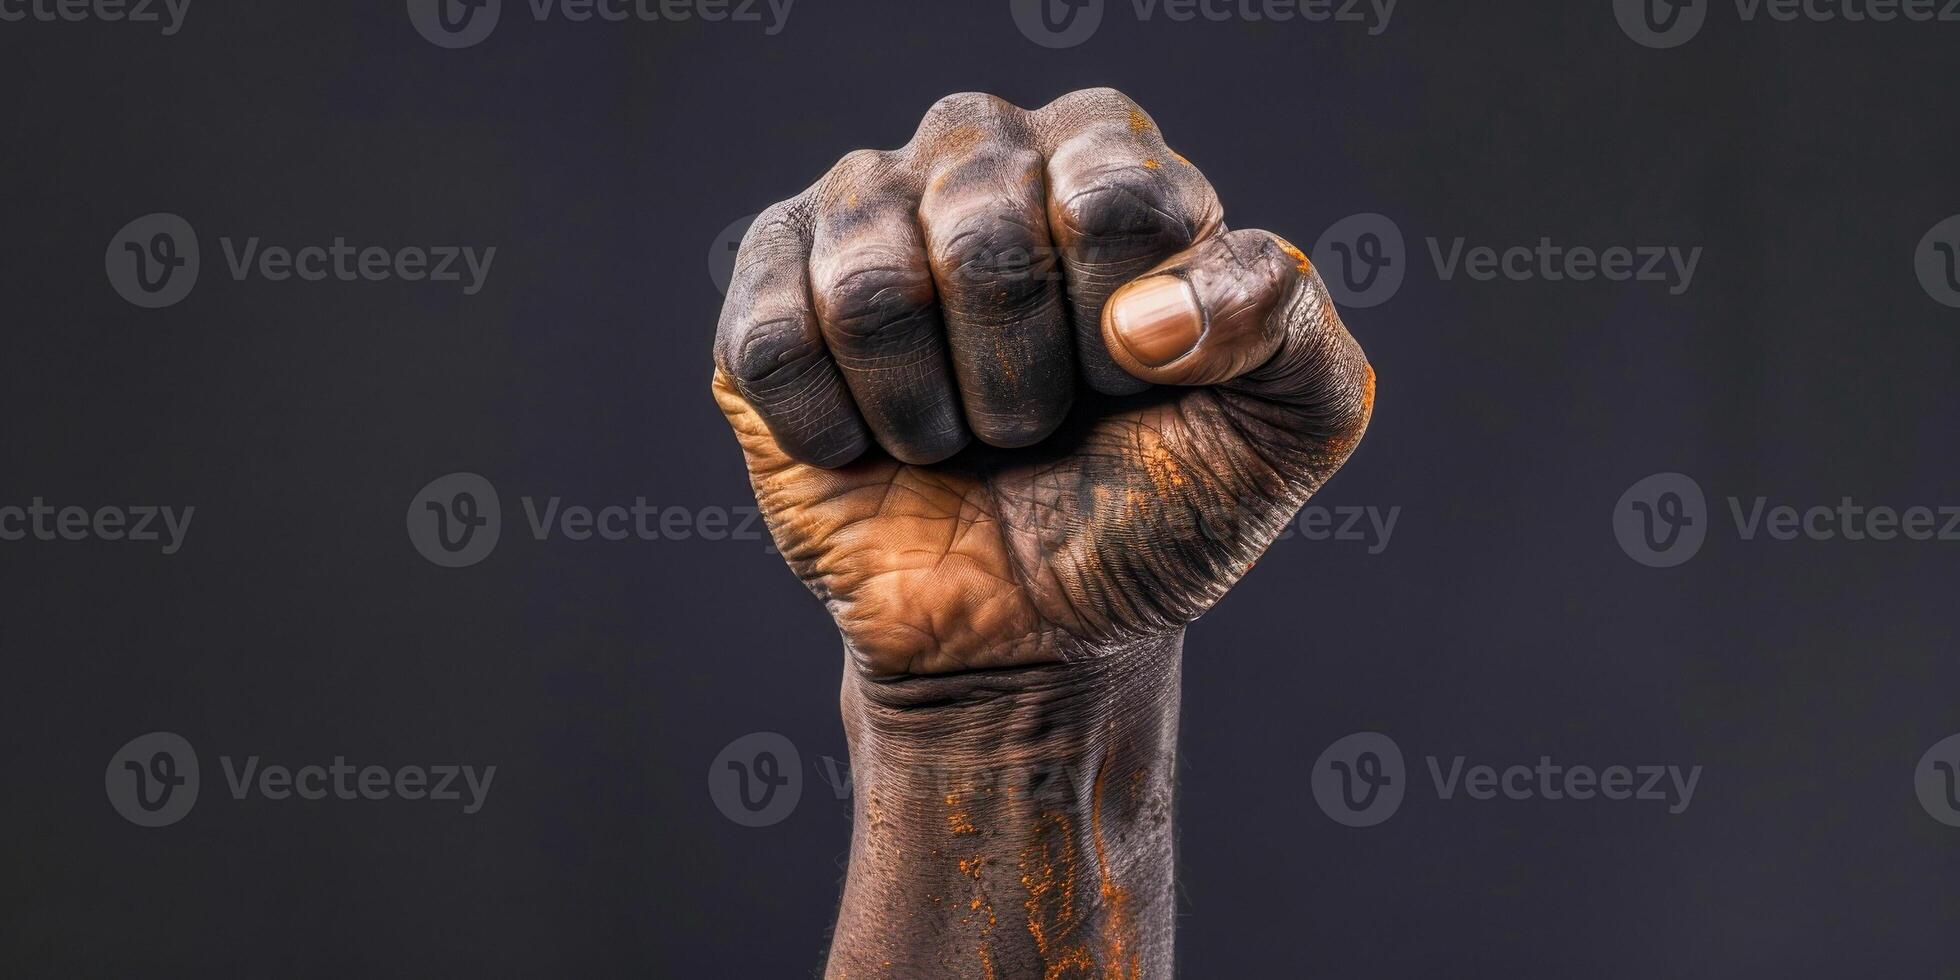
{"x":954,"y":448}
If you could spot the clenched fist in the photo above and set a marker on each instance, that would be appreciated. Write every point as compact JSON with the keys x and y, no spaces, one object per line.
{"x":1018,"y":407}
{"x":1013,"y":393}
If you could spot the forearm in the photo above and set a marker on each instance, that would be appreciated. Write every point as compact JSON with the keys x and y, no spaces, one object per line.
{"x":1013,"y":823}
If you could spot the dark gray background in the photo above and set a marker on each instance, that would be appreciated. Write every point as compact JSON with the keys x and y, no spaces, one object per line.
{"x":1502,"y":623}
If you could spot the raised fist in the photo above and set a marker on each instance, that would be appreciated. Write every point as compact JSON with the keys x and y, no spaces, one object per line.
{"x":1018,"y":408}
{"x":1013,"y":394}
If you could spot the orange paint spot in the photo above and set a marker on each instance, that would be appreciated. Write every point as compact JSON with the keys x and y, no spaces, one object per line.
{"x":1048,"y":876}
{"x":1117,"y":933}
{"x":1152,"y":164}
{"x":1139,"y":123}
{"x":979,"y":903}
{"x":1300,"y":260}
{"x":1004,"y":354}
{"x":1342,"y":445}
{"x":1074,"y":961}
{"x":1163,"y":467}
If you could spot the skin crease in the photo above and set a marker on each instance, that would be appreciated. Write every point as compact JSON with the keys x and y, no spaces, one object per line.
{"x":1011,"y":517}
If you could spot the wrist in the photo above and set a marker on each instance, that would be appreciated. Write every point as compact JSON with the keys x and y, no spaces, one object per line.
{"x":1013,"y":821}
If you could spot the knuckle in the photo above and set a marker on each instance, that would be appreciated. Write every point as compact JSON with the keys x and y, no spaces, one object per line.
{"x":963,"y":126}
{"x":1123,"y":206}
{"x":995,"y":246}
{"x":781,"y":221}
{"x":872,"y":291}
{"x":854,"y":174}
{"x":765,"y":354}
{"x":1262,"y":255}
{"x":965,"y":108}
{"x":1092,"y":105}
{"x":857,"y":163}
{"x":776,"y":236}
{"x":1103,"y":94}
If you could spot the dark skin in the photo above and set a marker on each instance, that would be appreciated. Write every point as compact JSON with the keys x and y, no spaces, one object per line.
{"x":1018,"y":408}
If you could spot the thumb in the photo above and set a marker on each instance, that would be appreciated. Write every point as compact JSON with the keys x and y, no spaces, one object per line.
{"x":1244,"y":310}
